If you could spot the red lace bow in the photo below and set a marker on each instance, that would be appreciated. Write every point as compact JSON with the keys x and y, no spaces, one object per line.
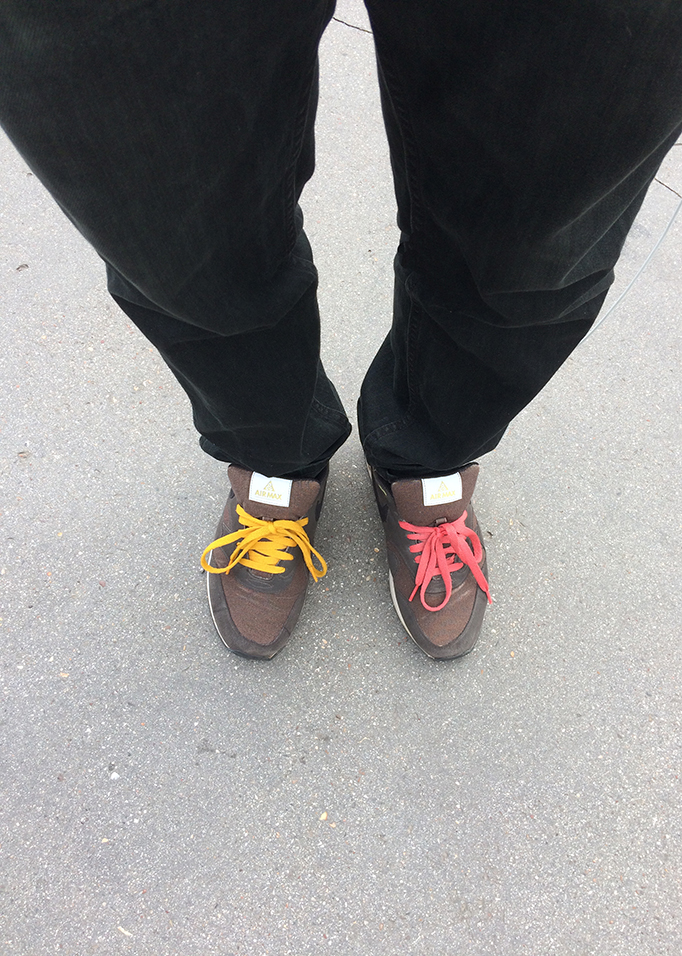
{"x":442,"y":549}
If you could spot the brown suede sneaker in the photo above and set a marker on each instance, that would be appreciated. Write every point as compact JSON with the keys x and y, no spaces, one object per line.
{"x":436,"y":560}
{"x":259,"y":565}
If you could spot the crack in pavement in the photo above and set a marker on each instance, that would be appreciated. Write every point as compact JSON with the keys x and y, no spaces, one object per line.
{"x":351,"y":25}
{"x":660,"y":181}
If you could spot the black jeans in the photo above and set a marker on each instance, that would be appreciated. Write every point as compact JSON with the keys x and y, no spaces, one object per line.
{"x":178,"y":137}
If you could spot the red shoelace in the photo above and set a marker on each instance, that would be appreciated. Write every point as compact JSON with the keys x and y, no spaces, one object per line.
{"x":441,"y":550}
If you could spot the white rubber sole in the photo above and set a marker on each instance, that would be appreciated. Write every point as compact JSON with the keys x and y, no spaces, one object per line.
{"x":247,"y":657}
{"x":391,"y":587}
{"x":210,"y":603}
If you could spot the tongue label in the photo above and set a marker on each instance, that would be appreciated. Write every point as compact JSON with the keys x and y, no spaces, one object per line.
{"x":274,"y":491}
{"x":440,"y":491}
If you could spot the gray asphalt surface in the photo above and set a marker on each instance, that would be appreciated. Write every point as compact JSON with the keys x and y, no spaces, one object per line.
{"x":161,"y":796}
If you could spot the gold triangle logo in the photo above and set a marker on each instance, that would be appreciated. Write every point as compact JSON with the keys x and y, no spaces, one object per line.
{"x":443,"y":493}
{"x":268,"y":491}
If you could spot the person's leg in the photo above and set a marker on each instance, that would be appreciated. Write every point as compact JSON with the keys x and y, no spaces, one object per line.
{"x":523,"y":137}
{"x":178,"y":138}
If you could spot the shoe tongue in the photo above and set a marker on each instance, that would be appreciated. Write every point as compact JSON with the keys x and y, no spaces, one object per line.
{"x":272,"y":499}
{"x":422,"y":501}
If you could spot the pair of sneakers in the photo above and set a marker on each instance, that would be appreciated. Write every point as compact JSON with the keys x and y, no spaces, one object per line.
{"x":259,"y":566}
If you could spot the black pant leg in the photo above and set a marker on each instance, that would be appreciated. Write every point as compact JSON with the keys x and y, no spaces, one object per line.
{"x":178,"y":136}
{"x":523,"y":137}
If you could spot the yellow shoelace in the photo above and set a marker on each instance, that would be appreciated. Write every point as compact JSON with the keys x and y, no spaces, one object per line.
{"x":264,"y":545}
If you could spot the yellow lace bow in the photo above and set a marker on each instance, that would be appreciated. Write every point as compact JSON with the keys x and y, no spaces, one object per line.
{"x":264,"y":544}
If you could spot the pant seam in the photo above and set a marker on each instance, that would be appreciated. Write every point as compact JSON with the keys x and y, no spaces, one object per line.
{"x":413,"y":330}
{"x":407,"y":135}
{"x":330,"y":414}
{"x":297,"y":138}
